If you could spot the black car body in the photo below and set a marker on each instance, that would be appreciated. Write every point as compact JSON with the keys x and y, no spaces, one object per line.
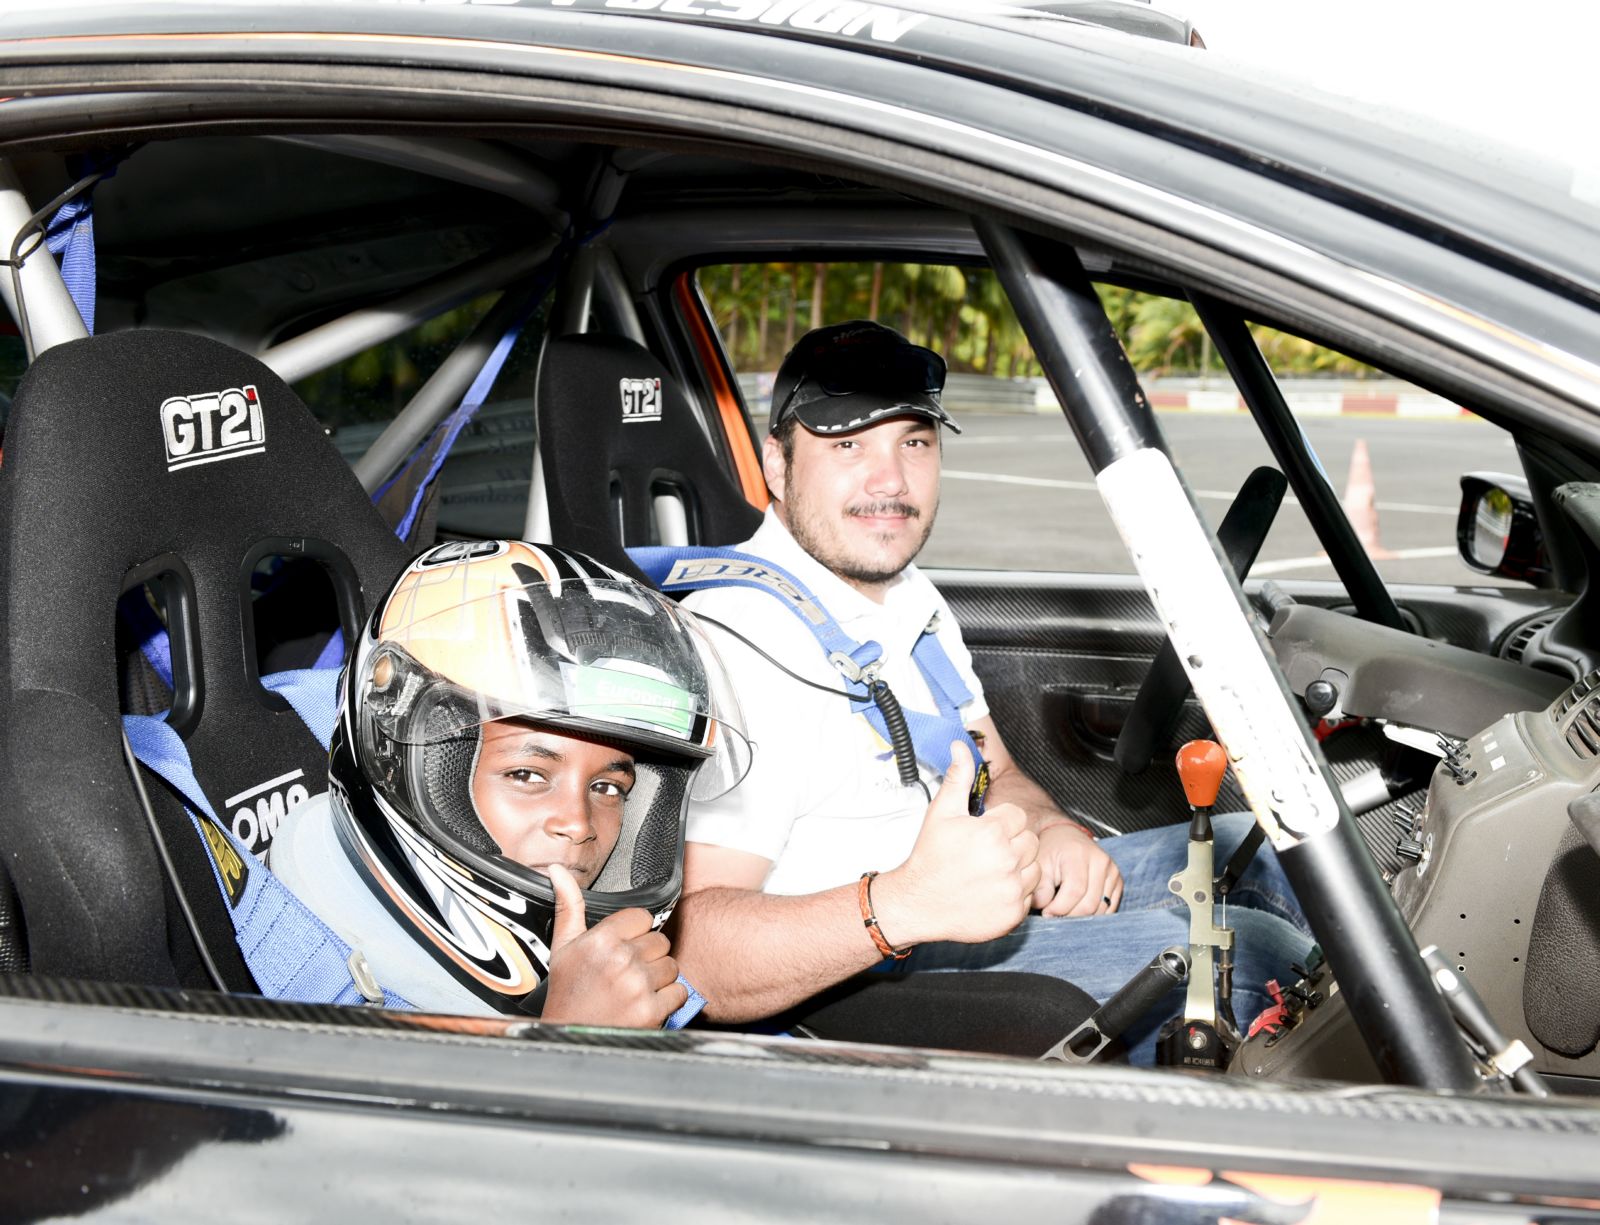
{"x":289,"y":176}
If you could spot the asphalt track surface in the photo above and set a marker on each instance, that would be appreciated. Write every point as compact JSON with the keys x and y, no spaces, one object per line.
{"x":1018,"y":494}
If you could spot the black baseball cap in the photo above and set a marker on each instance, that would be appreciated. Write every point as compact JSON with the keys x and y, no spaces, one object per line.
{"x":848,"y":375}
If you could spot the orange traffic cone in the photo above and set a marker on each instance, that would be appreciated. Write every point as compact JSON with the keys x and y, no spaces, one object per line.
{"x":1361,"y":502}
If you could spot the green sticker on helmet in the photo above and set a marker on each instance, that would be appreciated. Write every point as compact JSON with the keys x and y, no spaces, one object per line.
{"x":607,"y":693}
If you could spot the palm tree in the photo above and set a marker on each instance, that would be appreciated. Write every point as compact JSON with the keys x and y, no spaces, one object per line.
{"x":962,"y":312}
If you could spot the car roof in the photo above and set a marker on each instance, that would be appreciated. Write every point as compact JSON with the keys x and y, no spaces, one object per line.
{"x":1179,"y":139}
{"x":1511,"y":210}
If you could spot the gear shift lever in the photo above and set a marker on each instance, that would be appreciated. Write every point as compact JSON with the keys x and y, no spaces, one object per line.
{"x":1201,"y":766}
{"x":1196,"y":1039}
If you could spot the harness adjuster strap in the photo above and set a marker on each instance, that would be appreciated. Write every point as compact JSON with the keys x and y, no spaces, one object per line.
{"x":366,"y":982}
{"x":861,"y":671}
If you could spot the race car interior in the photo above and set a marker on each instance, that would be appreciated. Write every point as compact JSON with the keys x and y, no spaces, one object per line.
{"x":1461,"y":723}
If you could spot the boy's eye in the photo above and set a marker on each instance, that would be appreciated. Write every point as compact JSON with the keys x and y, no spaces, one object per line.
{"x":521,"y":774}
{"x":606,"y":787}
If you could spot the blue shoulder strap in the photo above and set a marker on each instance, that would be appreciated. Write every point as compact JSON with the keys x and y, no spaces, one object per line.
{"x":692,"y":568}
{"x":291,"y":953}
{"x":448,"y":430}
{"x":314,"y":695}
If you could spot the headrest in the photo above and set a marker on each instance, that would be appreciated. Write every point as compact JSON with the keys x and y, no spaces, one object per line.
{"x":614,"y":425}
{"x":165,"y":450}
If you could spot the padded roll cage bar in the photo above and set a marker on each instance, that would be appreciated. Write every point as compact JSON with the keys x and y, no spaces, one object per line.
{"x":1405,"y":1023}
{"x":52,"y":318}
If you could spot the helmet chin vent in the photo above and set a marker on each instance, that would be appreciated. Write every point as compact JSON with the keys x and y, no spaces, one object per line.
{"x":447,"y":767}
{"x":655,"y":851}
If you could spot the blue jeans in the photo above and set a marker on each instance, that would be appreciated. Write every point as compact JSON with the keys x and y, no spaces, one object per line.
{"x":1102,"y":952}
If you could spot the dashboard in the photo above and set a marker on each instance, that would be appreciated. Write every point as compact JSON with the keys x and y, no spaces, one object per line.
{"x":1503,"y":883}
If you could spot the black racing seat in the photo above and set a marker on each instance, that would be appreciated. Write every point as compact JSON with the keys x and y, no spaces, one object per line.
{"x":620,"y":447}
{"x":168,"y":459}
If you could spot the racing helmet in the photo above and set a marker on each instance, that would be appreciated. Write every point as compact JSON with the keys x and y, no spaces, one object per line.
{"x":478,"y":631}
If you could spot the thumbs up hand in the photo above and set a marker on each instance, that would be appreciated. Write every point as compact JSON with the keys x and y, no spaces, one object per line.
{"x":618,"y":972}
{"x":968,"y":879}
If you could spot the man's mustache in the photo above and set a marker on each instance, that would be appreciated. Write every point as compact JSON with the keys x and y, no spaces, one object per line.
{"x":869,"y":509}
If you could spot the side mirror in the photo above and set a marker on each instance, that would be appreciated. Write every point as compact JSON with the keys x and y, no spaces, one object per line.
{"x":1497,"y":531}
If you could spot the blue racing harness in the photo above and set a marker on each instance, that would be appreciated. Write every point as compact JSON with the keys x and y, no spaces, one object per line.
{"x":291,"y":953}
{"x":681,"y":569}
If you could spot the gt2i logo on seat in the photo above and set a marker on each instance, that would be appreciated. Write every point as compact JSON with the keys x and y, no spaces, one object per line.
{"x":641,"y":400}
{"x":203,"y":429}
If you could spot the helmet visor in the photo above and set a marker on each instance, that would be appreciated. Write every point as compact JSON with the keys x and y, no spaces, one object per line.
{"x":602,"y":658}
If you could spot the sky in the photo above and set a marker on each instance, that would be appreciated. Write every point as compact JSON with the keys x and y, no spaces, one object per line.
{"x":1518,"y":71}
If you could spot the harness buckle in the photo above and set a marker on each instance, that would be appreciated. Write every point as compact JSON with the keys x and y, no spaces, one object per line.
{"x":852,"y":671}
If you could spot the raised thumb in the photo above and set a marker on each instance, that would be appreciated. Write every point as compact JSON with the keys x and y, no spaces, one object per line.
{"x":951,"y":800}
{"x":570,"y":915}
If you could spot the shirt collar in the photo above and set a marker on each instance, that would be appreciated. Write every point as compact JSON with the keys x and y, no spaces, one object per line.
{"x":909,"y":601}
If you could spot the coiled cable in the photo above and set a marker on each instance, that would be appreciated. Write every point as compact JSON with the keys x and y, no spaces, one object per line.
{"x":894,"y":722}
{"x":894,"y":719}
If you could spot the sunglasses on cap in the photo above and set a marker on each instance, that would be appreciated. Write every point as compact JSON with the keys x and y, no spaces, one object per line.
{"x":881,"y":366}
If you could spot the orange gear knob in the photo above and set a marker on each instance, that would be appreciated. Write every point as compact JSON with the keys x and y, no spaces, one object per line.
{"x":1201,"y":765}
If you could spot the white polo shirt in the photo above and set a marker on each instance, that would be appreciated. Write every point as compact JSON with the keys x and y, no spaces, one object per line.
{"x":823,"y":800}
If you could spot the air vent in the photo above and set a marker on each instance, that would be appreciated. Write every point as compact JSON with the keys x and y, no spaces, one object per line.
{"x":1583,"y":733}
{"x":1517,"y":644}
{"x":1580,"y":690}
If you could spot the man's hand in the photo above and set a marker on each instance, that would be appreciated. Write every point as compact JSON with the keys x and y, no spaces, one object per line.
{"x":968,"y":878}
{"x":619,"y":972}
{"x":1076,"y":876}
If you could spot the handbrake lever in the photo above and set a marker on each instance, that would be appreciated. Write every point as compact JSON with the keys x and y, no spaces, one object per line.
{"x":1132,"y":1000}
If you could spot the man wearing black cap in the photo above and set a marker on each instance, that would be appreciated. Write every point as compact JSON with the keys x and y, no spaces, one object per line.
{"x":829,"y":859}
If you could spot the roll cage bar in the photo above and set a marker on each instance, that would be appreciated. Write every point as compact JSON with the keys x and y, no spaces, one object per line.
{"x":1264,"y":398}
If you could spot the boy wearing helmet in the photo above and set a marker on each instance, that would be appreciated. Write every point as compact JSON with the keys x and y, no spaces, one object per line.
{"x":519,"y":734}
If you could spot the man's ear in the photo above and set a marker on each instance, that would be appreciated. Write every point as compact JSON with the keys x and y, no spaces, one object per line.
{"x":773,"y":467}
